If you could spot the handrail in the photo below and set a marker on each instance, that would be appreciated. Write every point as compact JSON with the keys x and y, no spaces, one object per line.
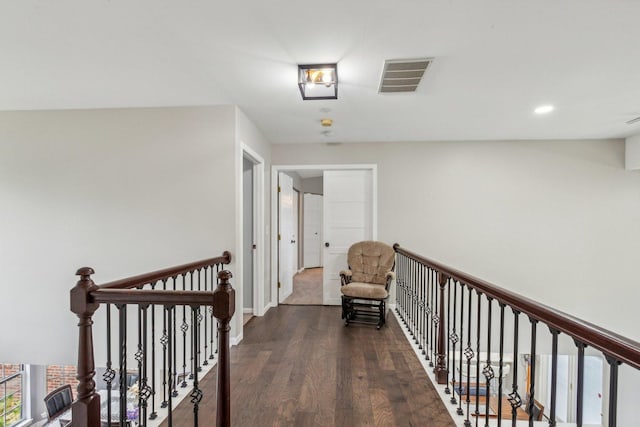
{"x":154,"y":276}
{"x":151,"y":296}
{"x":614,"y":345}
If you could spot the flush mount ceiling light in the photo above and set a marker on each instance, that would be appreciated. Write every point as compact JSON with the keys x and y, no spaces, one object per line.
{"x":318,"y":81}
{"x":543,"y":109}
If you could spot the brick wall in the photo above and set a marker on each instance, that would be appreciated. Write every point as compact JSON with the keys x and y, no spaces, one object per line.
{"x":58,"y":375}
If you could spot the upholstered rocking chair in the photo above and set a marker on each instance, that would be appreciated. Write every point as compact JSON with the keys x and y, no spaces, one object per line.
{"x":365,"y":285}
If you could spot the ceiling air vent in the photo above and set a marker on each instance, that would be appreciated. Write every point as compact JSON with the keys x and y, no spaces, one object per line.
{"x":403,"y":75}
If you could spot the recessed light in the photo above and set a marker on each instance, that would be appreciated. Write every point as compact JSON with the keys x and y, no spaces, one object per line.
{"x":543,"y":109}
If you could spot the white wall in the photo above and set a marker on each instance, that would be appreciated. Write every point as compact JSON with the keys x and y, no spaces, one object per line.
{"x":313,"y":185}
{"x":553,"y":220}
{"x":124,"y":191}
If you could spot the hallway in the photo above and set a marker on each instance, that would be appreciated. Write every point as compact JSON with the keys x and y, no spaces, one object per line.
{"x":300,"y":366}
{"x":307,"y":288}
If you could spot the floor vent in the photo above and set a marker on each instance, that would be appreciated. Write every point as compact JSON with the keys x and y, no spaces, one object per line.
{"x":403,"y":75}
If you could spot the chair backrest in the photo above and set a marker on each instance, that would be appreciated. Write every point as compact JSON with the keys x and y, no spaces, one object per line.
{"x":538,"y":410}
{"x":58,"y":401}
{"x":370,"y":261}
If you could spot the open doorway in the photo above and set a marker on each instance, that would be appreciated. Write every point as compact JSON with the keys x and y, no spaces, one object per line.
{"x":306,"y":281}
{"x":251,"y":230}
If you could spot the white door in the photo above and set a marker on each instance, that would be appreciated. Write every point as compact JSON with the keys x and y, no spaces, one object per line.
{"x":312,"y":230}
{"x":286,"y":237}
{"x":348,"y":218}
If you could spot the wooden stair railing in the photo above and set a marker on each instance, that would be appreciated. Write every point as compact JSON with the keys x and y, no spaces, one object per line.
{"x":437,"y":306}
{"x":197,"y":291}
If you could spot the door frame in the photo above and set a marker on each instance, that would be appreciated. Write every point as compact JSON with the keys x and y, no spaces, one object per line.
{"x":274,"y":209}
{"x":258,"y":232}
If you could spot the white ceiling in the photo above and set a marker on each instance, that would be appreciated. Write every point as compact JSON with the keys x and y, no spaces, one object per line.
{"x":495,"y":62}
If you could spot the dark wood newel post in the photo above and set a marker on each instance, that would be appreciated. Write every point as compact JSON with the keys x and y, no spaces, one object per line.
{"x":86,"y":408}
{"x":441,"y":366}
{"x":224,"y":306}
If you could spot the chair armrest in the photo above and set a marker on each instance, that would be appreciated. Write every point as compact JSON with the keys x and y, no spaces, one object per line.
{"x":345,"y":277}
{"x":391,"y":276}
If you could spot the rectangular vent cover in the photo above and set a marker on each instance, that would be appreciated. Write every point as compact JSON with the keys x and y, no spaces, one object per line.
{"x":403,"y":75}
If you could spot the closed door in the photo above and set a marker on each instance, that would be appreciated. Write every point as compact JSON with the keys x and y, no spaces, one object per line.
{"x":312,"y":231}
{"x":286,"y":236}
{"x":348,"y":218}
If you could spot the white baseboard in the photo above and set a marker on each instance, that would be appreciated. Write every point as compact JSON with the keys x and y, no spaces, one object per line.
{"x":287,"y":295}
{"x":247,"y":310}
{"x":235,"y":340}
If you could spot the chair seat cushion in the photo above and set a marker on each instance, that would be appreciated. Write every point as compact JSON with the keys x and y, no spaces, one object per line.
{"x":364,"y":290}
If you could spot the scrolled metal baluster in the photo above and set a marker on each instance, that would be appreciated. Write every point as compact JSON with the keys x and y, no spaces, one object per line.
{"x":145,"y":391}
{"x":478,"y":336}
{"x":461,"y":338}
{"x":184,"y":327}
{"x":196,"y":393}
{"x":153,"y":414}
{"x":139,"y":355}
{"x":447,"y":390}
{"x":205,"y":362}
{"x":488,"y":372}
{"x":423,"y":299}
{"x":191,"y":319}
{"x":109,"y":374}
{"x":613,"y":389}
{"x":500,"y":367}
{"x":210,"y":310}
{"x":173,"y":330}
{"x":514,"y":397}
{"x":430,"y":312}
{"x":468,"y":354}
{"x":453,"y":337}
{"x":164,"y":341}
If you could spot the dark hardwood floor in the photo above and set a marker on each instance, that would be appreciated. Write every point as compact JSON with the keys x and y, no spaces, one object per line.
{"x":300,"y":366}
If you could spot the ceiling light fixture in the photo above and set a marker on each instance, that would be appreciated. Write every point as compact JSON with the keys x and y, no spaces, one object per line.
{"x":318,"y":81}
{"x":543,"y":109}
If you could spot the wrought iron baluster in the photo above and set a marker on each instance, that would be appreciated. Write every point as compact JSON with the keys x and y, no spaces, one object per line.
{"x":210,"y":309}
{"x":199,"y":319}
{"x":478,"y":336}
{"x":145,"y":391}
{"x":191,"y":348}
{"x":514,"y":398}
{"x":554,"y":375}
{"x":109,"y":374}
{"x":468,"y":354}
{"x":488,"y":372}
{"x":122,"y":351}
{"x":196,"y":393}
{"x":173,"y":382}
{"x":206,"y":288}
{"x":164,"y":340}
{"x":532,"y":376}
{"x":454,"y":340}
{"x":501,"y":367}
{"x":184,"y":327}
{"x":431,"y":311}
{"x":447,"y":390}
{"x":424,"y":271}
{"x":414,"y":305}
{"x":138,"y":356}
{"x":613,"y":389}
{"x":153,"y":414}
{"x":580,"y":386}
{"x":171,"y":335}
{"x":460,"y":390}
